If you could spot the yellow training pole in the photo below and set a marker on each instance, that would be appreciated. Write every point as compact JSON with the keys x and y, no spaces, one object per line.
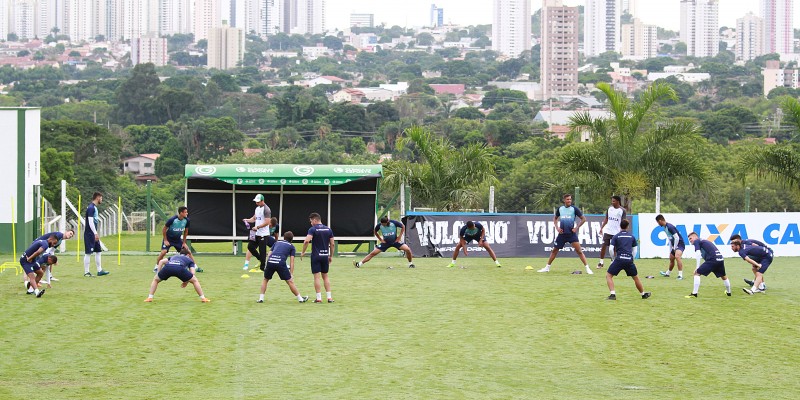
{"x":78,"y":249}
{"x":119,"y":230}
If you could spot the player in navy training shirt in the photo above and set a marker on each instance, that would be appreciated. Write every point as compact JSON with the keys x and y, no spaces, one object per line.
{"x":321,"y":239}
{"x":180,"y":266}
{"x":386,"y":232}
{"x":472,"y":231}
{"x":753,"y":242}
{"x":48,"y":273}
{"x":32,"y":269}
{"x":712,"y":262}
{"x":757,"y":256}
{"x":91,"y":238}
{"x":564,"y":220}
{"x":623,"y":246}
{"x":174,"y":233}
{"x":675,"y":244}
{"x":281,"y":251}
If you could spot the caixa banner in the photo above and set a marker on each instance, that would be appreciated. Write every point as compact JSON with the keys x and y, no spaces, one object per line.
{"x":779,"y":231}
{"x":510,"y":235}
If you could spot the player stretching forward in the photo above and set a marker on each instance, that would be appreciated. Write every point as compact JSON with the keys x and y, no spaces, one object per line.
{"x":713,"y":262}
{"x":47,"y":267}
{"x":321,"y":239}
{"x":180,"y":266}
{"x":676,"y":247}
{"x":753,"y":242}
{"x":32,"y":269}
{"x":469,"y":232}
{"x":276,"y":262}
{"x":759,"y":257}
{"x":564,"y":220}
{"x":623,"y":246}
{"x":386,"y":232}
{"x":610,"y":227}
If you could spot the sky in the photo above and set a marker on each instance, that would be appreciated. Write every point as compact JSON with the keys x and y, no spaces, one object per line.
{"x":411,"y":13}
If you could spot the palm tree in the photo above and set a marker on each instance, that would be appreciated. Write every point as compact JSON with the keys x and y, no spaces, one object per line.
{"x":632,"y":151}
{"x":781,"y":162}
{"x":441,"y":176}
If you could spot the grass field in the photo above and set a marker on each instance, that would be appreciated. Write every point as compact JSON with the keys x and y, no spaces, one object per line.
{"x":430,"y":333}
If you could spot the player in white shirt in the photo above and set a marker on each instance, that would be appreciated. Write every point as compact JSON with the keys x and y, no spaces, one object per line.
{"x":614,"y":215}
{"x":260,"y":221}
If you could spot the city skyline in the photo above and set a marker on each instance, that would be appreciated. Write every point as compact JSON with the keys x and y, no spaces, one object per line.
{"x":413,"y":13}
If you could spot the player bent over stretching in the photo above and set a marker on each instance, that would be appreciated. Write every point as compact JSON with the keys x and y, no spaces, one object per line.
{"x":180,"y":266}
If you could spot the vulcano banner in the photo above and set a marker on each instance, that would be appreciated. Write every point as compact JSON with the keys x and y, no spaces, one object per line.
{"x":510,"y":235}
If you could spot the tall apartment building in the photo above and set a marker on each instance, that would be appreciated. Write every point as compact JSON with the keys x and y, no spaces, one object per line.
{"x":271,"y":19}
{"x":639,"y":41}
{"x":206,"y":17}
{"x":601,"y":27}
{"x":511,"y":27}
{"x":309,"y":16}
{"x":437,"y":16}
{"x":22,"y":19}
{"x":778,"y":18}
{"x":775,"y":77}
{"x":176,"y":16}
{"x":149,"y":49}
{"x":700,"y":27}
{"x":749,"y":37}
{"x":559,"y":69}
{"x":362,"y":20}
{"x":629,"y":6}
{"x":225,"y":47}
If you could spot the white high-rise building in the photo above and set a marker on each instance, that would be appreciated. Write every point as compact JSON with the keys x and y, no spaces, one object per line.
{"x":149,"y":49}
{"x":639,"y":41}
{"x":225,"y":47}
{"x":23,"y":20}
{"x":176,"y":16}
{"x":362,"y":20}
{"x":778,"y":18}
{"x":601,"y":27}
{"x":700,"y":27}
{"x":78,"y":20}
{"x":309,"y":17}
{"x":206,"y":16}
{"x":629,"y":6}
{"x":271,"y":19}
{"x":511,"y":27}
{"x":50,"y":15}
{"x":559,"y":70}
{"x":749,"y":37}
{"x":4,"y":17}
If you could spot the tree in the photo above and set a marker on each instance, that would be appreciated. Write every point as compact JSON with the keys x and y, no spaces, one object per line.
{"x":468,"y":113}
{"x":348,"y":117}
{"x":148,"y":139}
{"x":425,"y":39}
{"x":226,"y":82}
{"x":495,"y":96}
{"x":136,"y":95}
{"x":332,"y":42}
{"x":780,"y":162}
{"x":209,"y":138}
{"x":56,"y":166}
{"x":441,"y":176}
{"x":631,"y":152}
{"x":680,"y":48}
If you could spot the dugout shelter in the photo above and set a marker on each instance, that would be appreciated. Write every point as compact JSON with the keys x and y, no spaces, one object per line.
{"x":219,"y":196}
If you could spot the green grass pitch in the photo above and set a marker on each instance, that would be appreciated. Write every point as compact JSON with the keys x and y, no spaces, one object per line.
{"x":478,"y":332}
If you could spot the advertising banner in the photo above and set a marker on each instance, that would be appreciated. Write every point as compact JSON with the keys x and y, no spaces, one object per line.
{"x":778,"y":230}
{"x":510,"y":235}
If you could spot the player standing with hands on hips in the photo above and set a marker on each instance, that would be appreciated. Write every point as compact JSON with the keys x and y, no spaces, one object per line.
{"x":564,"y":220}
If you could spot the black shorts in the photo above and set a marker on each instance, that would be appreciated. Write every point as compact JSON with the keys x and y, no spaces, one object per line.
{"x":565,"y":238}
{"x":765,"y":263}
{"x":168,"y":271}
{"x":270,"y":240}
{"x":28,"y":267}
{"x":717,"y":267}
{"x":470,"y":239}
{"x":622,"y":265}
{"x":281,"y":268}
{"x":90,"y":245}
{"x":607,"y":239}
{"x":388,"y":245}
{"x":177,"y":244}
{"x":320,"y":265}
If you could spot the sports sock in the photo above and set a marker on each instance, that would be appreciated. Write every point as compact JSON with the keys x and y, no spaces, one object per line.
{"x":97,"y":261}
{"x":454,"y":261}
{"x":727,"y":284}
{"x":410,"y":263}
{"x":328,"y":294}
{"x":696,"y":284}
{"x":587,"y":266}
{"x":246,"y":264}
{"x":86,"y":261}
{"x":497,"y":262}
{"x":601,"y":261}
{"x":319,"y":296}
{"x":680,"y":274}
{"x":641,"y":293}
{"x":261,"y":297}
{"x":36,"y":292}
{"x":202,"y":296}
{"x":547,"y":266}
{"x":149,"y":296}
{"x":614,"y":292}
{"x":300,"y":298}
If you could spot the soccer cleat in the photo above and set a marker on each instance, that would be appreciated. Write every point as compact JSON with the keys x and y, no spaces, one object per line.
{"x":27,"y":285}
{"x":330,"y":300}
{"x":148,"y":300}
{"x":198,"y":269}
{"x":749,"y":282}
{"x":599,"y":265}
{"x":259,"y":301}
{"x":646,"y":295}
{"x":53,"y":278}
{"x":589,"y":270}
{"x":680,"y":278}
{"x":691,"y":296}
{"x":103,"y":272}
{"x":357,"y":264}
{"x":305,"y":299}
{"x":155,"y":269}
{"x":88,"y":274}
{"x":411,"y":266}
{"x":451,"y":265}
{"x":728,"y":293}
{"x":545,"y":269}
{"x":498,"y":265}
{"x":663,"y":273}
{"x":244,"y":268}
{"x":611,"y":297}
{"x":763,"y":286}
{"x":40,"y":294}
{"x":205,"y":300}
{"x":748,"y":291}
{"x":758,"y":291}
{"x":318,"y":301}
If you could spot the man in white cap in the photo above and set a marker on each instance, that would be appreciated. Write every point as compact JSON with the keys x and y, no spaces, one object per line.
{"x":260,"y":221}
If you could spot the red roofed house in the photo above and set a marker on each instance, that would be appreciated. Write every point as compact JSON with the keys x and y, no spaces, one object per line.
{"x":348,"y":95}
{"x":143,"y":164}
{"x":456,"y":89}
